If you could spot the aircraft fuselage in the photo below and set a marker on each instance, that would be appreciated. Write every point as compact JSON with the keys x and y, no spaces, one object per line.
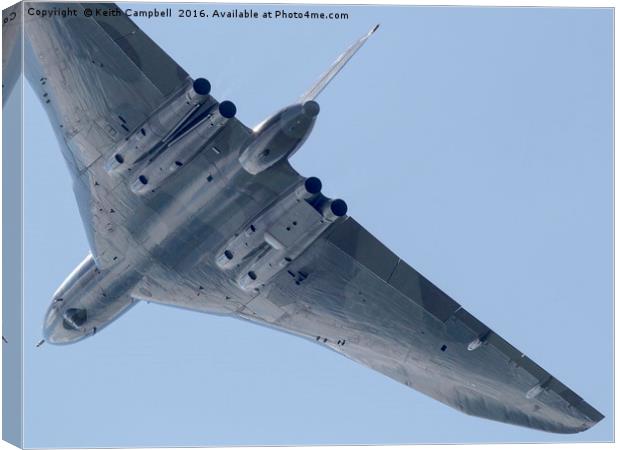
{"x":235,"y":198}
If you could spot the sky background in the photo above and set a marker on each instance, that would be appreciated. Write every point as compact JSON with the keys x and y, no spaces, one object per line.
{"x":476,"y":143}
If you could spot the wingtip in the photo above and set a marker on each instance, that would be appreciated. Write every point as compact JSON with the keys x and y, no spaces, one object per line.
{"x":375,"y":28}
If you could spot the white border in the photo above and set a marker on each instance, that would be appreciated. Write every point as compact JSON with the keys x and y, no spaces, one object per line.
{"x":547,"y":3}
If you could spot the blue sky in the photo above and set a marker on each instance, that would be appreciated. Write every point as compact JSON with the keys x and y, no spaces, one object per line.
{"x":475,"y":142}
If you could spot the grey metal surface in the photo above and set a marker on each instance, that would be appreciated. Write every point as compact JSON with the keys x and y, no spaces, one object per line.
{"x":11,"y":48}
{"x":12,"y":228}
{"x":219,"y":222}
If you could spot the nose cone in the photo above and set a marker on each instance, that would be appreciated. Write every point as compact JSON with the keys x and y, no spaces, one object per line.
{"x":62,"y":326}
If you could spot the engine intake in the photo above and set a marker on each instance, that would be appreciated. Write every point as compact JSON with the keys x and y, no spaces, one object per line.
{"x":333,"y":209}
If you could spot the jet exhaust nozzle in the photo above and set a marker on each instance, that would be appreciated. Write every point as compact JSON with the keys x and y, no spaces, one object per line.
{"x":310,"y":188}
{"x":334,"y":209}
{"x":227,"y":109}
{"x":201,"y":86}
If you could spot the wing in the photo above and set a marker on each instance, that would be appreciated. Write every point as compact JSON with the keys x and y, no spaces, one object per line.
{"x":100,"y":78}
{"x":349,"y":292}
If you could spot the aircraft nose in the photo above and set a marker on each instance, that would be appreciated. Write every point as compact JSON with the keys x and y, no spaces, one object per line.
{"x":51,"y":318}
{"x":63,"y":326}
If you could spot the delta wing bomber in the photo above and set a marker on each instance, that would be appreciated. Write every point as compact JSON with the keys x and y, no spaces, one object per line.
{"x":184,"y":205}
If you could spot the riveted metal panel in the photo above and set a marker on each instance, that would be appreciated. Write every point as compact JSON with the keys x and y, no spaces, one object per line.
{"x":477,"y":327}
{"x":358,"y":243}
{"x":411,"y":283}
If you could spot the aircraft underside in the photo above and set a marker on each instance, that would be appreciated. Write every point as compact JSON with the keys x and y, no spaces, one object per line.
{"x":184,"y":205}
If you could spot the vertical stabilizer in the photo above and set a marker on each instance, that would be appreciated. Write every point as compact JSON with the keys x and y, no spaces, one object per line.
{"x":336,"y":67}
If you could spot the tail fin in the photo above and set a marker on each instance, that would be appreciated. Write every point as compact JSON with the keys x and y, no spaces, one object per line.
{"x":336,"y":67}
